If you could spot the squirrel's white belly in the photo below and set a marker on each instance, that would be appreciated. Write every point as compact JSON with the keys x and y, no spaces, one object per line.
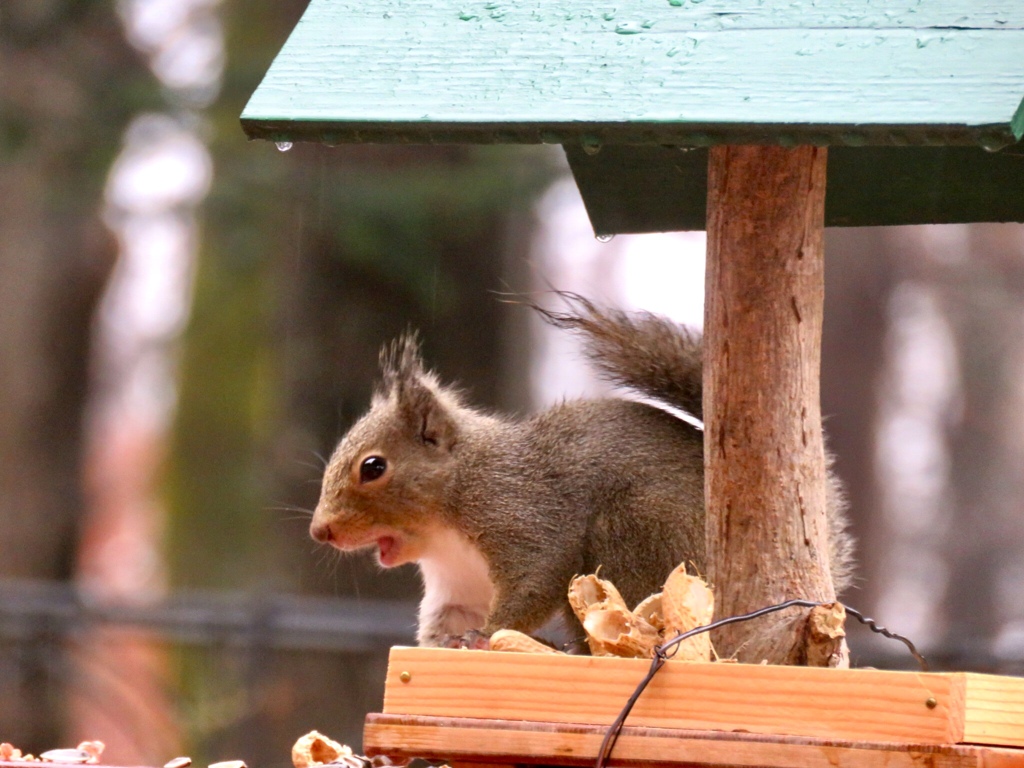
{"x":457,"y":587}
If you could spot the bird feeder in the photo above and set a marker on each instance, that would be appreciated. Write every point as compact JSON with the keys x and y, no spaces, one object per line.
{"x":730,"y":115}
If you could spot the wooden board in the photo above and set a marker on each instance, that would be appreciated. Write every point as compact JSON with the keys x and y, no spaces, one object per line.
{"x":994,"y":710}
{"x":465,"y":741}
{"x":853,"y":705}
{"x":635,"y":71}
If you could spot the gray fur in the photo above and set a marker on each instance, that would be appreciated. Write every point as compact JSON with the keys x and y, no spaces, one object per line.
{"x":606,"y":483}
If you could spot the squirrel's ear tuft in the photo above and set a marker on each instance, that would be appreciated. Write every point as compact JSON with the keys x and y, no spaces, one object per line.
{"x":419,"y":397}
{"x":400,"y":363}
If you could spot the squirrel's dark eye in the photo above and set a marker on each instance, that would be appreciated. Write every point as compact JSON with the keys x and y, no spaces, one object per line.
{"x":372,"y":468}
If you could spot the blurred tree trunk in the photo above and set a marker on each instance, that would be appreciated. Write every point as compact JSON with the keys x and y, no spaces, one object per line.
{"x":982,"y":290}
{"x":859,"y":278}
{"x":68,"y":88}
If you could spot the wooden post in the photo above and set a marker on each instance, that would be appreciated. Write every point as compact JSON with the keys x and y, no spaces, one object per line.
{"x":763,"y":451}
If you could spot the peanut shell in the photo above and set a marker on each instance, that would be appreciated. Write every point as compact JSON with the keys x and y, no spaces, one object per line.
{"x":614,"y":631}
{"x":586,"y":591}
{"x":316,"y":749}
{"x":511,"y":640}
{"x":687,"y":602}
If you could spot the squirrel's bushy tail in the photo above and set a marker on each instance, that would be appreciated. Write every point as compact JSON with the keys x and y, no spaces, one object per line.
{"x":662,"y":360}
{"x":643,"y":351}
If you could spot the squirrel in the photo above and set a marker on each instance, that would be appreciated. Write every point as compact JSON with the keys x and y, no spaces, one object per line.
{"x":501,"y":513}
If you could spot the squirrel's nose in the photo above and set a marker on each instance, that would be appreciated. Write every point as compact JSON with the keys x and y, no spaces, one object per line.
{"x":321,"y":532}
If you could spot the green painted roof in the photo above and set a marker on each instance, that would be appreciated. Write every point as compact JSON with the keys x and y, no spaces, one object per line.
{"x":922,"y":100}
{"x":688,"y":72}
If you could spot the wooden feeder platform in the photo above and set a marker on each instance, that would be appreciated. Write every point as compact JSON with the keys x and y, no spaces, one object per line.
{"x":475,"y":707}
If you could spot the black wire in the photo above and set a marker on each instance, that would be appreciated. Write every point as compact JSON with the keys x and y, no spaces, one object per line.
{"x":661,"y":656}
{"x":736,"y":619}
{"x":876,"y":627}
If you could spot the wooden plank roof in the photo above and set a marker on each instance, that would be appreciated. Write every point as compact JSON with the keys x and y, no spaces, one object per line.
{"x":915,"y":96}
{"x":690,"y":72}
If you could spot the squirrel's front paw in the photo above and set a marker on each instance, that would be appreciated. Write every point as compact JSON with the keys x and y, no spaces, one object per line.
{"x":474,"y":640}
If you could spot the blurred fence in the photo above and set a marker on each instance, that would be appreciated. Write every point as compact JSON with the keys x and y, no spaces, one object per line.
{"x":31,"y":610}
{"x":218,"y":675}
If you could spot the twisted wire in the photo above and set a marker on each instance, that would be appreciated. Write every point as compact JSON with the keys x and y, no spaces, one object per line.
{"x":661,"y":655}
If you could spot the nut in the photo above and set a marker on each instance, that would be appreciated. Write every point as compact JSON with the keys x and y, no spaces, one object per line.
{"x":517,"y":642}
{"x":316,"y":749}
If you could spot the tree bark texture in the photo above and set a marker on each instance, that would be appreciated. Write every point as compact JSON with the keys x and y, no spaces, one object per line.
{"x":764,"y":456}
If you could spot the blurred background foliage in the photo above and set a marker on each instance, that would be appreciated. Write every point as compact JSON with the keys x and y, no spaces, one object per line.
{"x":164,"y":442}
{"x":304,"y":264}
